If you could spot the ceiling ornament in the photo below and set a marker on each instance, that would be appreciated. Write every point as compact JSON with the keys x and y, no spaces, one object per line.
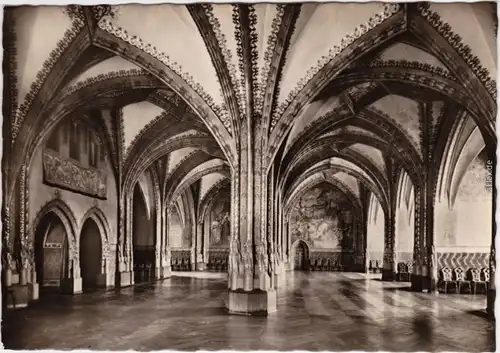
{"x":463,"y":50}
{"x":389,"y":9}
{"x":234,"y":74}
{"x":54,"y":56}
{"x":252,"y":19}
{"x":268,"y":57}
{"x":106,"y":25}
{"x":254,"y":55}
{"x":416,"y":65}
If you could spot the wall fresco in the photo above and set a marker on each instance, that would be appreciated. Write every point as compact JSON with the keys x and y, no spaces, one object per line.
{"x":323,"y":218}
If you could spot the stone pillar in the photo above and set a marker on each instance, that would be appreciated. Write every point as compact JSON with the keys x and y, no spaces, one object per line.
{"x":158,"y":240}
{"x":288,"y":243}
{"x":200,"y":263}
{"x":166,"y":271}
{"x":425,"y":268}
{"x":251,"y":255}
{"x":124,"y":275}
{"x":389,"y":265}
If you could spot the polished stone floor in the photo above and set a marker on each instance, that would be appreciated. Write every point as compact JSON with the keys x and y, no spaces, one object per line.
{"x":316,"y":311}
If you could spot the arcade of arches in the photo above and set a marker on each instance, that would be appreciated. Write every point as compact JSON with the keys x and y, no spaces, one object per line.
{"x":248,"y":140}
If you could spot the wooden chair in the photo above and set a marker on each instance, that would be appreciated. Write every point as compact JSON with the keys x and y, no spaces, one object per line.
{"x":476,"y":278}
{"x":446,"y":278}
{"x":485,"y":272}
{"x":324,"y":264}
{"x":409,"y":265}
{"x":461,"y":279}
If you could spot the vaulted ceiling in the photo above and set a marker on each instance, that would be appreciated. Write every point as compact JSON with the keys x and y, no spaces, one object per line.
{"x":354,"y":90}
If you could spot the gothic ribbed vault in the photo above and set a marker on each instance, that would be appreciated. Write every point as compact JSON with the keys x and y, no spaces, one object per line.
{"x":355,"y":94}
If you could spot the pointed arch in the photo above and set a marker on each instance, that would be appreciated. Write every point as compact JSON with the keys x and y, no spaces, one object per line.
{"x":393,"y":25}
{"x":212,"y":193}
{"x":213,"y":121}
{"x":148,"y":156}
{"x":430,"y":30}
{"x":96,"y":214}
{"x":392,"y":136}
{"x":64,"y":213}
{"x":195,"y":174}
{"x":24,"y":148}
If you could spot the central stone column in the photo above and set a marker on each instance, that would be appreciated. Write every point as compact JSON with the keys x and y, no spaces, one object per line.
{"x":251,"y":254}
{"x":251,"y":263}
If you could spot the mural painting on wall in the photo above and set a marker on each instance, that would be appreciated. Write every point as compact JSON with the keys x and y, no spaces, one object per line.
{"x":68,"y":174}
{"x":220,"y":222}
{"x":323,"y":218}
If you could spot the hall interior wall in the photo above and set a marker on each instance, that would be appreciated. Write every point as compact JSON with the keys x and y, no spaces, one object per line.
{"x":324,"y":219}
{"x":462,"y":228}
{"x":375,"y":232}
{"x":41,"y":194}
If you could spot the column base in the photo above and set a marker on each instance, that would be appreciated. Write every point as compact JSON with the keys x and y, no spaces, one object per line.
{"x":420,"y":283}
{"x":166,"y":272}
{"x":33,"y":291}
{"x":388,"y":275}
{"x":18,"y":296}
{"x":105,"y":280}
{"x":490,"y":302}
{"x":255,"y":302}
{"x":201,"y":266}
{"x":124,"y":279}
{"x":71,"y":286}
{"x":280,"y":275}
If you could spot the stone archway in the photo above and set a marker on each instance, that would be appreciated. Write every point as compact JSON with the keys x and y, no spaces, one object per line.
{"x":51,"y":253}
{"x":91,"y":249}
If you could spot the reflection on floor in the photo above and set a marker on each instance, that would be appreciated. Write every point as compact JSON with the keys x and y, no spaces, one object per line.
{"x":316,"y":311}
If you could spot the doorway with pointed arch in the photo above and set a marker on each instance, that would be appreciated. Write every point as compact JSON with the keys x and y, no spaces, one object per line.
{"x":90,"y":255}
{"x":51,"y":253}
{"x":301,"y":256}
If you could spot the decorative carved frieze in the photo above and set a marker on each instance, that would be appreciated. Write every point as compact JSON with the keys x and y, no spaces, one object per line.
{"x":69,"y":174}
{"x":234,"y":74}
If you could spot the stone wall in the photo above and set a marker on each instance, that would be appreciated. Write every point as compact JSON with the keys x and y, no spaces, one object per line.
{"x":375,"y":233}
{"x":463,"y":228}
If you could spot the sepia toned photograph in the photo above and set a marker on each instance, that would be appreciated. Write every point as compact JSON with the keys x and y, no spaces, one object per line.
{"x":265,"y":176}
